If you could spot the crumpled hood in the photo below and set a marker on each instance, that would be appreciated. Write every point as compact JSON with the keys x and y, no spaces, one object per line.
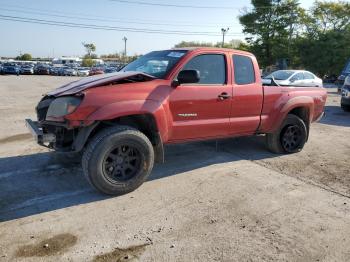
{"x":99,"y":80}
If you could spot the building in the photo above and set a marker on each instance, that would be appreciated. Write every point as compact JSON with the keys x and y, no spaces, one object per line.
{"x":66,"y":60}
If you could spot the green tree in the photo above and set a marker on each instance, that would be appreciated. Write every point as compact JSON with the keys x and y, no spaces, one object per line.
{"x":234,"y":44}
{"x":323,"y":45}
{"x":271,"y":25}
{"x":193,"y":44}
{"x":24,"y":57}
{"x":88,"y":62}
{"x":90,"y":48}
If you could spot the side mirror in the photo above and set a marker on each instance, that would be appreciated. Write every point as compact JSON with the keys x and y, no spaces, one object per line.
{"x":188,"y":77}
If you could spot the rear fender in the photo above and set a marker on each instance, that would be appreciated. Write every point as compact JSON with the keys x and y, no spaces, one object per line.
{"x":295,"y":102}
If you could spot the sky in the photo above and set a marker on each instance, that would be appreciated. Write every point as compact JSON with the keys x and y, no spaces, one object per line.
{"x":191,"y":20}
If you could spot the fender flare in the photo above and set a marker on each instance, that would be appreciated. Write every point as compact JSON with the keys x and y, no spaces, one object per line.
{"x":134,"y":107}
{"x":293,"y":103}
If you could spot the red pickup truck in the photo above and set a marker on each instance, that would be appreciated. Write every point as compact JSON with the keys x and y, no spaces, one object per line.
{"x":121,"y":121}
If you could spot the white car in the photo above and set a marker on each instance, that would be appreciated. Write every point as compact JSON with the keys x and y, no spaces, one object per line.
{"x":83,"y":71}
{"x":69,"y":71}
{"x":295,"y":78}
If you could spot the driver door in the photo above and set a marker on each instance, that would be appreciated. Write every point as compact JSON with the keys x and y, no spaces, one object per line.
{"x":202,"y":110}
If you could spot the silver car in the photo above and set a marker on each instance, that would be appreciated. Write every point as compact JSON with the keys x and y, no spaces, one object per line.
{"x":295,"y":78}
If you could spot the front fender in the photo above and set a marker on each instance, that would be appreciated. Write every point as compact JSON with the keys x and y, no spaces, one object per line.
{"x":134,"y":107}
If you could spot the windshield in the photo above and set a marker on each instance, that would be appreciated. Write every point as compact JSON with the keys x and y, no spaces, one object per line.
{"x":157,"y":63}
{"x":280,"y":75}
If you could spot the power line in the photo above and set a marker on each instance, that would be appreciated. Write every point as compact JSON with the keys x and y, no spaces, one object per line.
{"x":108,"y":28}
{"x":173,"y":5}
{"x":104,"y":18}
{"x":186,"y":6}
{"x":51,"y":14}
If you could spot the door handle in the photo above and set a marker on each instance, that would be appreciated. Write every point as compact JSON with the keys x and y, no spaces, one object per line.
{"x":223,"y":96}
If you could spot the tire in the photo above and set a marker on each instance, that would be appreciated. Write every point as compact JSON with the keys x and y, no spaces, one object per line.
{"x":346,"y":108}
{"x":118,"y":160}
{"x":289,"y":138}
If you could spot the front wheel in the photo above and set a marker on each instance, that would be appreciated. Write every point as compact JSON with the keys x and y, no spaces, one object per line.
{"x":289,"y":138}
{"x":118,"y":160}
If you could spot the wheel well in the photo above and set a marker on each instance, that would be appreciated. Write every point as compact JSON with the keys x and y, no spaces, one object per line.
{"x":145,"y":123}
{"x":303,"y":113}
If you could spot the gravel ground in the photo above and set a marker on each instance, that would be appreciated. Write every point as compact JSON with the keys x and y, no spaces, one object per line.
{"x":236,"y":202}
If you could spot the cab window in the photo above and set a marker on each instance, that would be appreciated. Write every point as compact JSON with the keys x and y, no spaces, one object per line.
{"x":211,"y":68}
{"x":243,"y":70}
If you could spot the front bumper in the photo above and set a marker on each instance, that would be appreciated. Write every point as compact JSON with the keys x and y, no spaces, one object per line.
{"x":38,"y":134}
{"x":58,"y":137}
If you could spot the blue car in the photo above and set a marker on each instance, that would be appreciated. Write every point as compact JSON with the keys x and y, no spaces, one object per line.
{"x":343,"y":75}
{"x":10,"y":68}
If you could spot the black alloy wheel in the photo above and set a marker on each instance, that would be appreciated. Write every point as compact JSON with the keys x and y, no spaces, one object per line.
{"x":291,"y":138}
{"x":122,"y":163}
{"x":118,"y":159}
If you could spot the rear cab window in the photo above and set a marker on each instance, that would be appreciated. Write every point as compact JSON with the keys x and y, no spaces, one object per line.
{"x":243,"y":67}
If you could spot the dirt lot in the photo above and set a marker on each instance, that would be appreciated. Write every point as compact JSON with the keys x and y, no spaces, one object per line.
{"x":234,"y":203}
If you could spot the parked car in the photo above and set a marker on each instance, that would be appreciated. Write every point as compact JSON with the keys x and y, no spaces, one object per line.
{"x":83,"y":71}
{"x":110,"y":70}
{"x":61,"y":70}
{"x":345,"y":72}
{"x":69,"y":71}
{"x":54,"y":70}
{"x":121,"y":122}
{"x":42,"y":70}
{"x":10,"y":68}
{"x":96,"y":71}
{"x":27,"y":70}
{"x":345,"y":95}
{"x":295,"y":77}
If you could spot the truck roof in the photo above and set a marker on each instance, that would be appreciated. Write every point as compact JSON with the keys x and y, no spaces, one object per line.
{"x":212,"y":49}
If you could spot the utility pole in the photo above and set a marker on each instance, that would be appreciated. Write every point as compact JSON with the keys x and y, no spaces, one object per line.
{"x":224,"y":31}
{"x":124,"y":39}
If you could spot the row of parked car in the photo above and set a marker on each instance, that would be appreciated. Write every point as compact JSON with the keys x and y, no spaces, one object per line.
{"x":44,"y":69}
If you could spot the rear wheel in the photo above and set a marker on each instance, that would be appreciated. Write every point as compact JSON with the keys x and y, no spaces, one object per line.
{"x":118,"y":160}
{"x":289,"y":138}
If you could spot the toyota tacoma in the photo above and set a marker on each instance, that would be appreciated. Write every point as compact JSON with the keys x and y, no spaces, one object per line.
{"x":121,"y":121}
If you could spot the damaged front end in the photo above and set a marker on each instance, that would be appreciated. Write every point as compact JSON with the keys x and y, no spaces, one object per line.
{"x":53,"y":129}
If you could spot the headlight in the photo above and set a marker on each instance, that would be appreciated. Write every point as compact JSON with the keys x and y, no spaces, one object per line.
{"x":63,"y":106}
